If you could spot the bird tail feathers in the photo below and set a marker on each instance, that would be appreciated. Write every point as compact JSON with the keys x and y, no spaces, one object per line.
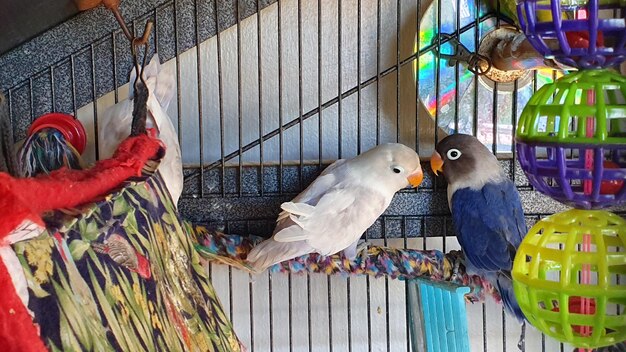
{"x":504,"y":284}
{"x":270,"y":252}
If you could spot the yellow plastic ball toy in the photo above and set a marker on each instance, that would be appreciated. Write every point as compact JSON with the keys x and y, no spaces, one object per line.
{"x":570,"y":277}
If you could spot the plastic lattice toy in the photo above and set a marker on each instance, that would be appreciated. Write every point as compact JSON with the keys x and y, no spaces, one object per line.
{"x":571,"y":139}
{"x":443,"y":317}
{"x":566,"y":277}
{"x":578,"y":33}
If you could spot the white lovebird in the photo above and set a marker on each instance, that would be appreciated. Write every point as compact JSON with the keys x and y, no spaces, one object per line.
{"x":116,"y":120}
{"x":335,"y":210}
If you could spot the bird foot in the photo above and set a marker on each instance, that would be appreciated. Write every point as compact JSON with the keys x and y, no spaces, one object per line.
{"x":362,"y":251}
{"x":363,"y":246}
{"x":357,"y":252}
{"x":456,"y":269}
{"x":521,"y":344}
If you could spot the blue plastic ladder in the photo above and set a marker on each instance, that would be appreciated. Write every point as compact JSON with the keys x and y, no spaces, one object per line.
{"x":438,"y":318}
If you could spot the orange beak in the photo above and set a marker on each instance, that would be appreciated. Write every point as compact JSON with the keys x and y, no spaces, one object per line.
{"x":436,"y":163}
{"x":415,"y":179}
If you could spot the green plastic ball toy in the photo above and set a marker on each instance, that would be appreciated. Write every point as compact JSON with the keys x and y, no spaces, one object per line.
{"x":569,"y":277}
{"x":571,"y":139}
{"x":560,"y":112}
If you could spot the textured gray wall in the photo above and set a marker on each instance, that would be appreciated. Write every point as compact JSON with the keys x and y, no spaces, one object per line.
{"x":92,"y":26}
{"x":90,"y":46}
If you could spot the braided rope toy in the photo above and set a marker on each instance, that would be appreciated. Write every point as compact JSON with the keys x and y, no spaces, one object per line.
{"x":396,"y":263}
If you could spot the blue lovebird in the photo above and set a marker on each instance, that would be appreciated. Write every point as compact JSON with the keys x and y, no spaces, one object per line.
{"x":486,"y":212}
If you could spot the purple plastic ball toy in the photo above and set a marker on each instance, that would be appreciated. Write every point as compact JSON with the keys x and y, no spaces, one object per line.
{"x":562,"y":175}
{"x":583,"y":34}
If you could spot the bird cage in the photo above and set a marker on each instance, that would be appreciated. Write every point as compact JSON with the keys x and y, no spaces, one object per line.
{"x":268,"y":93}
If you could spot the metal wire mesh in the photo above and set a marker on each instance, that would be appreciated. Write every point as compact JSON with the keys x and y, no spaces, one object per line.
{"x":268,"y":93}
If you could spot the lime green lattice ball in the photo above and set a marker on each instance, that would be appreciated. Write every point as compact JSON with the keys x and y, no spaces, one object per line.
{"x":551,"y":265}
{"x":585,"y":107}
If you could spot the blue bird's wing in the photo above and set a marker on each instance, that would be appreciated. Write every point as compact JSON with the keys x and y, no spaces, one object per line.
{"x":490,"y":224}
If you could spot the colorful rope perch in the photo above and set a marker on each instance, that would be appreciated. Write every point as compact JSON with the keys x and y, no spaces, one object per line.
{"x":402,"y":264}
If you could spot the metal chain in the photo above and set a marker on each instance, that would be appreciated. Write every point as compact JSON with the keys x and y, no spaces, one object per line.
{"x":474,"y":61}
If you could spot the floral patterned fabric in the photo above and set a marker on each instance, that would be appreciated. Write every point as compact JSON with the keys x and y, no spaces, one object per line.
{"x":122,"y":274}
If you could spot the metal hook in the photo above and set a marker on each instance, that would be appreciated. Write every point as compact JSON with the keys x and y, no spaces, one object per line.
{"x":140,"y":100}
{"x":141,"y":41}
{"x":140,"y":108}
{"x":113,"y":6}
{"x":462,"y":54}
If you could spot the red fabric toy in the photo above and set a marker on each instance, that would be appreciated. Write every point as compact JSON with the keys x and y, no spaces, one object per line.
{"x":23,"y":200}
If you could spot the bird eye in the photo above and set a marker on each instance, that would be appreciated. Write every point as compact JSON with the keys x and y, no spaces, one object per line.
{"x":397,"y":169}
{"x":453,"y":154}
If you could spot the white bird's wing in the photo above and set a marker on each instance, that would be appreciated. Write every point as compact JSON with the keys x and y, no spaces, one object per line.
{"x":311,"y":195}
{"x":306,"y":218}
{"x":334,"y":166}
{"x":334,"y":232}
{"x":300,"y":209}
{"x":325,"y":181}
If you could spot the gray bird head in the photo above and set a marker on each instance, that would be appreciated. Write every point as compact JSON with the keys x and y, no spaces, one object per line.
{"x":465,"y":162}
